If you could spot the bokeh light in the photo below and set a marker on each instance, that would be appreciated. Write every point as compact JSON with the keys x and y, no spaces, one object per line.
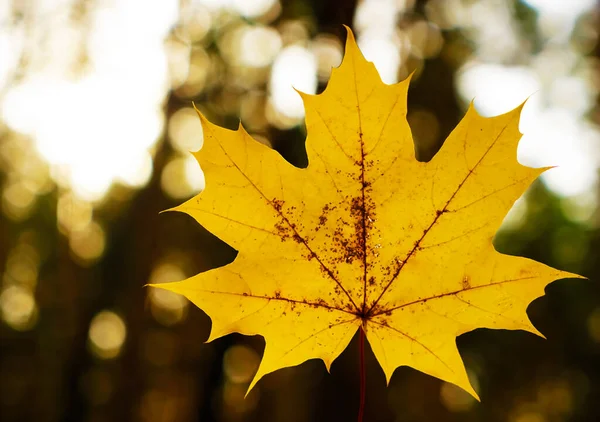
{"x":239,"y":364}
{"x":18,"y":307}
{"x":559,"y":92}
{"x":87,"y":243}
{"x":73,"y":213}
{"x":235,"y":404}
{"x":375,"y":22}
{"x":167,"y":307}
{"x":456,"y":399}
{"x":185,"y":130}
{"x":294,"y":69}
{"x":556,"y":398}
{"x":22,"y":265}
{"x":328,"y":51}
{"x":88,"y":98}
{"x":182,"y":177}
{"x":253,"y":9}
{"x":258,"y":46}
{"x":107,"y":335}
{"x":18,"y":201}
{"x":201,"y":66}
{"x":384,"y":53}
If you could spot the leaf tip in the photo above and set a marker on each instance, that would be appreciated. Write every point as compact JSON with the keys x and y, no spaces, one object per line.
{"x":472,"y":108}
{"x":302,"y":94}
{"x":351,"y":44}
{"x":468,"y":387}
{"x":255,"y":380}
{"x":155,"y":285}
{"x":198,"y":112}
{"x":172,"y":209}
{"x":565,"y":274}
{"x":212,"y":335}
{"x":327,"y":365}
{"x":388,"y":378}
{"x":241,"y":128}
{"x":348,"y":31}
{"x":164,"y":286}
{"x":203,"y":120}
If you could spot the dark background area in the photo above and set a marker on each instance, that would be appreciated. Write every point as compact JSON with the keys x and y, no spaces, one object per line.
{"x":82,"y":339}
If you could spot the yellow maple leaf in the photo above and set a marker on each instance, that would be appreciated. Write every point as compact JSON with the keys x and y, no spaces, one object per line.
{"x":365,"y":236}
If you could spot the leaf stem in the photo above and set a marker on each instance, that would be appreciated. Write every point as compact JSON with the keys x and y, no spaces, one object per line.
{"x":363,"y":387}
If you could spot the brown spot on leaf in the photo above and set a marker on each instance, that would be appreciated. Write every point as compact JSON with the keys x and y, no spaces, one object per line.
{"x":283,"y":230}
{"x":277,"y":204}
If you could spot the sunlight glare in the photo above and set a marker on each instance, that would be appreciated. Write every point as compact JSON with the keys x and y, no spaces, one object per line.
{"x":259,"y":45}
{"x":252,"y":8}
{"x":384,"y":54}
{"x":295,"y":67}
{"x":554,"y":135}
{"x":98,"y":127}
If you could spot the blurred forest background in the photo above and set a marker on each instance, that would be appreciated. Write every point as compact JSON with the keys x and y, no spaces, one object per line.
{"x":95,"y":128}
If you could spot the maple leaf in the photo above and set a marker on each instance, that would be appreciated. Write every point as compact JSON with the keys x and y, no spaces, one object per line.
{"x":366,"y":235}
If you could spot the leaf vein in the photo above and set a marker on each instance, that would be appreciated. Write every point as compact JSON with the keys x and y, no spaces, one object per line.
{"x":292,"y":227}
{"x":435,"y":219}
{"x":442,"y":295}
